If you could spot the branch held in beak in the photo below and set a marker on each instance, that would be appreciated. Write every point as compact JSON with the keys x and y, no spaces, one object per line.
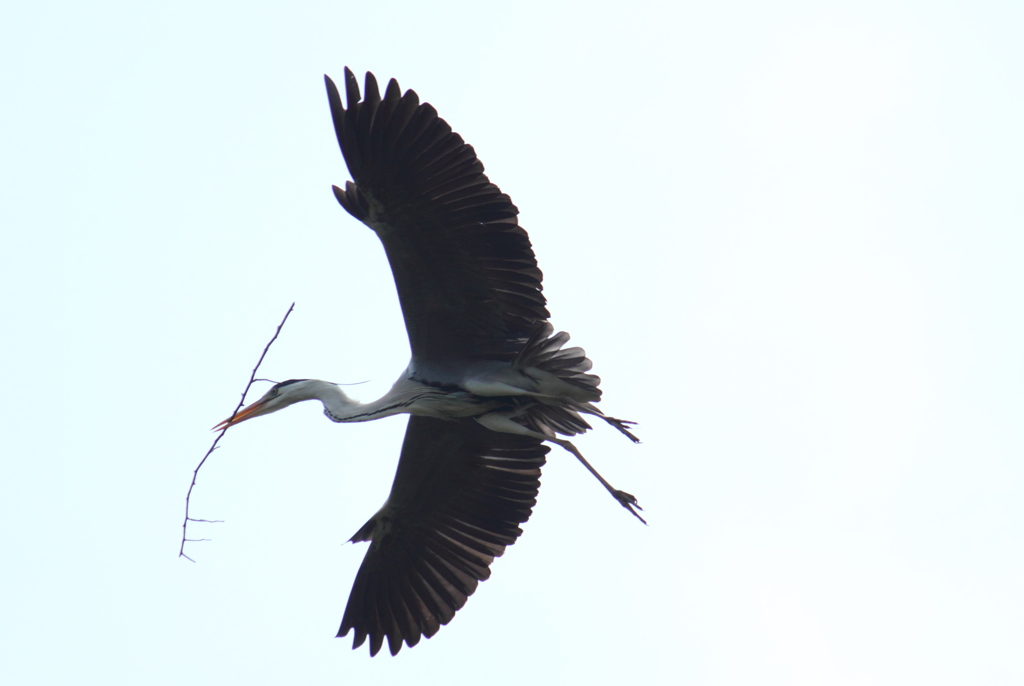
{"x":255,"y":410}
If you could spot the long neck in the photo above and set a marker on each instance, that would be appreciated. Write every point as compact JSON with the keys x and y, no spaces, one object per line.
{"x":338,"y":407}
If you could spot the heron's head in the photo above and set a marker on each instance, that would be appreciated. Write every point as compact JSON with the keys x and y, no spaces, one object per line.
{"x":281,"y":395}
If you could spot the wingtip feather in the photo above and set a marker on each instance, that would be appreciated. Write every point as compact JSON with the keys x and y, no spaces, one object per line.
{"x":372,"y":93}
{"x":351,"y":89}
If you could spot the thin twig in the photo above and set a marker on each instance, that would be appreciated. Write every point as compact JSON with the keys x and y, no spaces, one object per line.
{"x":188,"y":496}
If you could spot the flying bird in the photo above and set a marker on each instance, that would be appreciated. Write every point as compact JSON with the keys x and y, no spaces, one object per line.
{"x":488,"y":385}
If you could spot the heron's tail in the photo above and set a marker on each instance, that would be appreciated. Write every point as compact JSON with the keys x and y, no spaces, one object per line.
{"x":569,"y":365}
{"x":570,"y":391}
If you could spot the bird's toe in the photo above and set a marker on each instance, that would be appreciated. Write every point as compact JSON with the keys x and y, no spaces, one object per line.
{"x":629,"y":501}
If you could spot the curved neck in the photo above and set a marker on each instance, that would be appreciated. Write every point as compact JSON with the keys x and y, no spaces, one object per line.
{"x":338,"y":407}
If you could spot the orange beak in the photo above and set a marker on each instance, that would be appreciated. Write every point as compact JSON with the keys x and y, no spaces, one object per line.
{"x":254,"y":410}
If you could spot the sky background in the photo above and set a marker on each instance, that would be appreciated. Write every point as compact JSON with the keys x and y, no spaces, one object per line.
{"x":790,"y":235}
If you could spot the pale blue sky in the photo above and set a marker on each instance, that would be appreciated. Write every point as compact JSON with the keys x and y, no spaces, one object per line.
{"x":790,"y":237}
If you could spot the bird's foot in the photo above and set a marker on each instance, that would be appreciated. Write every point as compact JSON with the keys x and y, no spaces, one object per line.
{"x":628,"y":501}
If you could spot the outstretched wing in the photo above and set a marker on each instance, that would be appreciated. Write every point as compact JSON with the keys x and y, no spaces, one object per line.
{"x":458,"y":498}
{"x":466,"y":274}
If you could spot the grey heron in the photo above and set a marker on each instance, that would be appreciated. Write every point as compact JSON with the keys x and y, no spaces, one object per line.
{"x":489,"y":383}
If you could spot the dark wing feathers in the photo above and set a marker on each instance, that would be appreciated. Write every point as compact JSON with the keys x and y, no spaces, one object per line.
{"x":466,"y":274}
{"x":463,"y":492}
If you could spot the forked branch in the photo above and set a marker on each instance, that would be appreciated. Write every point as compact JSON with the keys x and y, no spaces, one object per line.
{"x":195,"y":473}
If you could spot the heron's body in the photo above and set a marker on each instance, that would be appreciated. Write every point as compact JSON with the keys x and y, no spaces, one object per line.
{"x":488,"y":383}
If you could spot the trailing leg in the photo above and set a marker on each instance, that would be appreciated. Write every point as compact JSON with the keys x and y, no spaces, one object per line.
{"x":627,"y":500}
{"x":504,"y":423}
{"x":620,"y":424}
